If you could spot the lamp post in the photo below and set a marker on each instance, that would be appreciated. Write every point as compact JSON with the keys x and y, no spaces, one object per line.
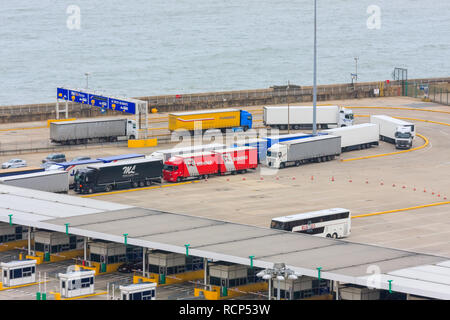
{"x":279,"y":272}
{"x":315,"y":73}
{"x":87,"y":74}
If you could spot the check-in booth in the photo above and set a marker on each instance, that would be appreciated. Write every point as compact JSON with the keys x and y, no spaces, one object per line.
{"x":356,"y":292}
{"x":108,"y":256}
{"x":47,"y":243}
{"x":76,"y":283}
{"x":302,"y":288}
{"x":167,"y":263}
{"x":20,"y":272}
{"x":138,"y":291}
{"x":225,"y":274}
{"x":13,"y":232}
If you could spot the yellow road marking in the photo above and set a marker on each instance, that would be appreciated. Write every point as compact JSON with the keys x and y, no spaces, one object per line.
{"x":400,"y":108}
{"x":138,"y":189}
{"x":22,"y":285}
{"x":392,"y":153}
{"x":28,"y":128}
{"x":400,"y":210}
{"x":86,"y":296}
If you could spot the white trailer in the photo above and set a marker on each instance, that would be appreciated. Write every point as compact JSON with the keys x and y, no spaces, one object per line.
{"x":166,"y":154}
{"x":83,"y":131}
{"x":296,"y":152}
{"x":302,"y":117}
{"x":396,"y":131}
{"x":51,"y":181}
{"x":357,"y":137}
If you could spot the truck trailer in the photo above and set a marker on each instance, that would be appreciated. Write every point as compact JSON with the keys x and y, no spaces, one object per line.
{"x":166,"y":154}
{"x":396,"y":131}
{"x":297,"y":152}
{"x":262,"y":144}
{"x":17,"y":171}
{"x":356,"y":137}
{"x":72,"y":167}
{"x":203,"y":164}
{"x":302,"y":117}
{"x":50,"y":181}
{"x":121,"y":175}
{"x":211,"y":119}
{"x":84,"y":131}
{"x":122,"y":157}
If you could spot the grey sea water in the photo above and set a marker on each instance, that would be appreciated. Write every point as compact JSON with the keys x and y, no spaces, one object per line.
{"x":138,"y":47}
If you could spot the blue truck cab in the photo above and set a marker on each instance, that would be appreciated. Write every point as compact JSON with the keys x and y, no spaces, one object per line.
{"x":246,"y":120}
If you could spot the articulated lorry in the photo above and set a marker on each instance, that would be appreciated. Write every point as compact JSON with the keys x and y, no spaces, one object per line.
{"x":166,"y":154}
{"x":118,"y":175}
{"x":84,"y":131}
{"x":297,"y":152}
{"x":262,"y":144}
{"x":302,"y":117}
{"x":356,"y":137}
{"x":398,"y":132}
{"x":211,"y":119}
{"x":203,"y":164}
{"x":50,"y":181}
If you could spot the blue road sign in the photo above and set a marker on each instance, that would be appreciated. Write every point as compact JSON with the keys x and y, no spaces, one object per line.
{"x":124,"y":106}
{"x":62,"y":93}
{"x":78,"y":97}
{"x":96,"y":100}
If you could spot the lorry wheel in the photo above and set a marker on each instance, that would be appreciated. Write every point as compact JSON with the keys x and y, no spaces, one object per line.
{"x":335,"y":236}
{"x":296,"y":127}
{"x":245,"y":128}
{"x":141,"y":183}
{"x":297,"y":163}
{"x":132,"y":137}
{"x":134,"y":184}
{"x":179,"y":179}
{"x":148,"y":182}
{"x":282,"y":165}
{"x":108,"y":188}
{"x":328,"y":235}
{"x":90,"y":190}
{"x":319,"y":159}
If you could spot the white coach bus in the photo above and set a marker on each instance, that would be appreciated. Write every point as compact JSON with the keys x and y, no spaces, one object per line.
{"x":330,"y":223}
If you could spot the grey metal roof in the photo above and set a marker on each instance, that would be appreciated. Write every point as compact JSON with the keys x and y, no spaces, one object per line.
{"x":344,"y":261}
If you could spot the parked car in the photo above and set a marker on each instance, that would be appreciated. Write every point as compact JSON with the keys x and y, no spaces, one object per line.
{"x":55,"y":158}
{"x":81,"y":158}
{"x":130,"y":267}
{"x":14,"y":163}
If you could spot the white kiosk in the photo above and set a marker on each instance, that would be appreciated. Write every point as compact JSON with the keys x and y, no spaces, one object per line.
{"x":76,"y":283}
{"x":18,"y":272}
{"x":139,"y":291}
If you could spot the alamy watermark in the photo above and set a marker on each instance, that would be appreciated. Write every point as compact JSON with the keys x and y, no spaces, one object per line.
{"x":374,"y":20}
{"x":73,"y":21}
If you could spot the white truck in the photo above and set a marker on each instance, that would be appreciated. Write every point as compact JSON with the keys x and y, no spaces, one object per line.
{"x":396,"y":131}
{"x":296,"y":152}
{"x":302,"y":117}
{"x":83,"y":131}
{"x":51,"y":181}
{"x":357,"y":137}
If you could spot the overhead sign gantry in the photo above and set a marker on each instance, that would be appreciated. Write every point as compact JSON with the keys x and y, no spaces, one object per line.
{"x":98,"y":99}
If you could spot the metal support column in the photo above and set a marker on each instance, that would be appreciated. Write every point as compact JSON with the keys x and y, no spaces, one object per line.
{"x":205,"y":266}
{"x":85,"y":248}
{"x":144,"y":253}
{"x":337,"y":290}
{"x":29,"y":241}
{"x":270,"y":289}
{"x":57,"y":109}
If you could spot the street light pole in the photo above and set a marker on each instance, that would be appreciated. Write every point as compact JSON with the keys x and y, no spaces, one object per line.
{"x":87,"y":74}
{"x":289,"y":111}
{"x":356,"y":69}
{"x":315,"y":73}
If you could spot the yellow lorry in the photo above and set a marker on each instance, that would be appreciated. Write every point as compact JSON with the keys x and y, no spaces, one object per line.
{"x":210,"y":119}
